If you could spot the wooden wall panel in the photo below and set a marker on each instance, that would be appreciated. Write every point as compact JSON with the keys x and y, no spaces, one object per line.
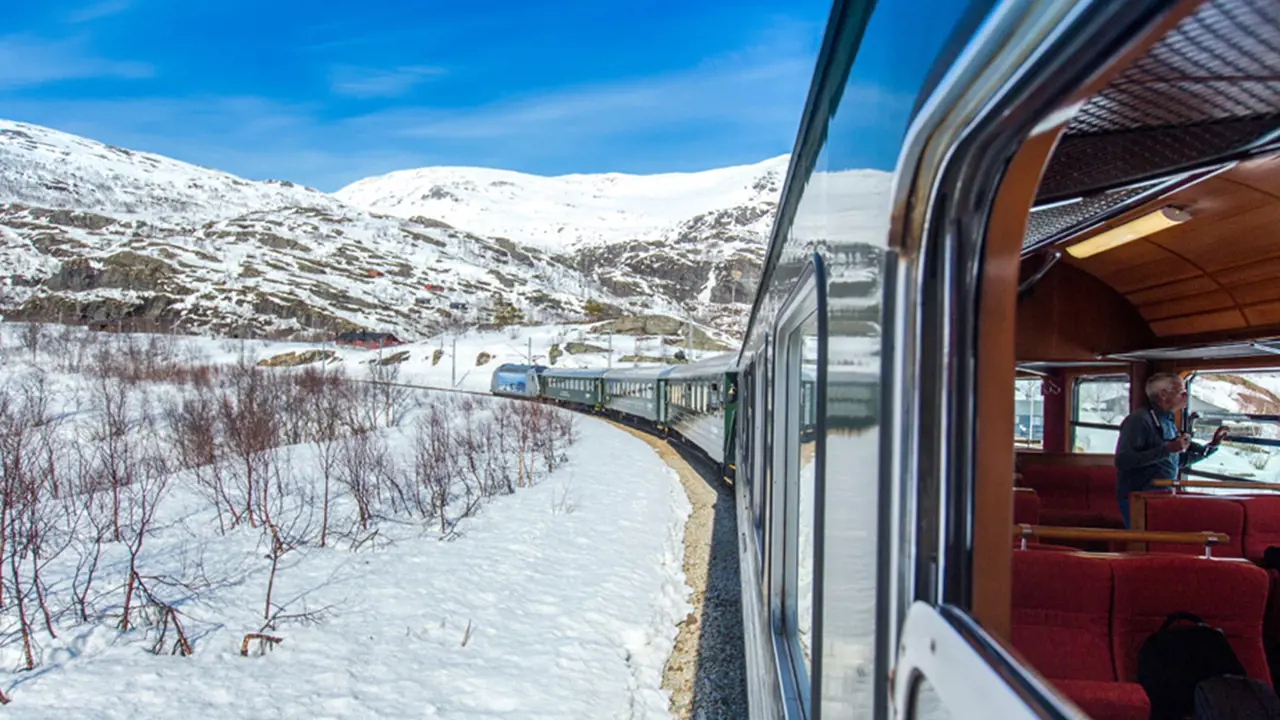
{"x":1199,"y":323}
{"x":1212,"y":276}
{"x":1071,"y":315}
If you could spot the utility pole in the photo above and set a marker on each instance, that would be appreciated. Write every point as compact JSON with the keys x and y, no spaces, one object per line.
{"x":610,"y":355}
{"x":688,"y":341}
{"x":453,"y":378}
{"x":635,"y":351}
{"x":530,"y":349}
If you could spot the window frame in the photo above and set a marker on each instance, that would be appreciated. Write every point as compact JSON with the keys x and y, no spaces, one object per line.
{"x":806,"y":300}
{"x":1074,"y":421}
{"x":1254,"y":417}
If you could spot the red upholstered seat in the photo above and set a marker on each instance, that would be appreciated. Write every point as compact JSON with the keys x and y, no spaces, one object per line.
{"x":1261,"y":524}
{"x":1059,"y":486}
{"x":1102,"y":495}
{"x":1192,"y":513}
{"x":1107,"y":700}
{"x":1075,"y":495}
{"x":1061,"y":614}
{"x":1228,"y":594}
{"x":1080,"y":619}
{"x":1026,"y":506}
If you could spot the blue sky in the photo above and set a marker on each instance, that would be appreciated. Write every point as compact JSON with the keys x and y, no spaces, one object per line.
{"x":325,"y":92}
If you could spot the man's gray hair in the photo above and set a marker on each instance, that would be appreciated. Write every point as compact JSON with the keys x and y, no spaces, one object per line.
{"x":1158,"y":382}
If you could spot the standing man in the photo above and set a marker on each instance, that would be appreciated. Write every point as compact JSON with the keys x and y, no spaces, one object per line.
{"x":1150,"y":446}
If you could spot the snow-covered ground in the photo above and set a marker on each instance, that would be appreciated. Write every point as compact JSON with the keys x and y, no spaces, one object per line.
{"x":511,"y":345}
{"x":560,"y":599}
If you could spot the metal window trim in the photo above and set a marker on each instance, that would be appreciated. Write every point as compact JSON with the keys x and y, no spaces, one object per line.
{"x":807,"y":299}
{"x":1220,"y":476}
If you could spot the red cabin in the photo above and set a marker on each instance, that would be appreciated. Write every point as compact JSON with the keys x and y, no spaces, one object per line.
{"x":368,"y":340}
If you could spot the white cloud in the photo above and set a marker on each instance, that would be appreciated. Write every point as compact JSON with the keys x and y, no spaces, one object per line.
{"x":27,"y":61}
{"x":98,"y":10}
{"x":736,"y":108}
{"x":378,"y":83}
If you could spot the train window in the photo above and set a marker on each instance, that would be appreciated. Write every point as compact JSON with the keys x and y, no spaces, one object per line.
{"x":762,"y":459}
{"x":795,"y":529}
{"x":1248,"y":404}
{"x":804,"y":343}
{"x":1099,"y":403}
{"x":1028,"y":413}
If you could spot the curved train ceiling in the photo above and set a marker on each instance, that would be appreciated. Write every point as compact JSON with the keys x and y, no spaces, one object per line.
{"x":1186,"y":141}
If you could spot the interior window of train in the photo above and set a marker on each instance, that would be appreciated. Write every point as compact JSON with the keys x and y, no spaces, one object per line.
{"x":1028,"y":413}
{"x":1247,"y":402}
{"x":1099,"y":403}
{"x":805,"y":344}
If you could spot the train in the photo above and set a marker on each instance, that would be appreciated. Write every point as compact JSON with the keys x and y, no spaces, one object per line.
{"x":865,"y":423}
{"x":692,"y":402}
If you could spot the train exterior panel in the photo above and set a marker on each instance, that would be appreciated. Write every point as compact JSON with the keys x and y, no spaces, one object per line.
{"x":637,"y":391}
{"x":698,"y":403}
{"x":579,"y":387}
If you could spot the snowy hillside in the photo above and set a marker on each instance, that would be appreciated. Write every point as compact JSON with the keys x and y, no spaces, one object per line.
{"x":563,"y":213}
{"x":46,"y":168}
{"x":697,"y":238}
{"x":95,"y":234}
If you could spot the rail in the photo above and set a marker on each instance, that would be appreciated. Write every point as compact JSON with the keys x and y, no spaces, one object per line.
{"x":1053,"y":532}
{"x":1250,"y":485}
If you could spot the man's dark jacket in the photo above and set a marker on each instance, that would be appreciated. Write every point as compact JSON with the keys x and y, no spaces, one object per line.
{"x":1142,"y":458}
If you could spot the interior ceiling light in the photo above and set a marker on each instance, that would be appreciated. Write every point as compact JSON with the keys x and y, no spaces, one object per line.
{"x":1165,"y":217}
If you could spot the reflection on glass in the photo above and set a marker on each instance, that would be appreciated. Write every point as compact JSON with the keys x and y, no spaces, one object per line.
{"x":806,"y":345}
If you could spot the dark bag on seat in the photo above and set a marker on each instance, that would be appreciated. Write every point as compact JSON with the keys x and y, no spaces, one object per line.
{"x":1174,"y":660}
{"x":1231,"y":697}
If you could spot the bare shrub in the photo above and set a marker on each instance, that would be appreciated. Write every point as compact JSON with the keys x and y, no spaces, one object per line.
{"x":433,"y":460}
{"x":363,"y":464}
{"x":250,"y":426}
{"x":32,"y":337}
{"x":392,"y":397}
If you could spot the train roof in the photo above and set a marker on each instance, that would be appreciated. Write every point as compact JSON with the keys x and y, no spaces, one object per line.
{"x":572,"y":372}
{"x":520,"y":367}
{"x":714,"y":365}
{"x":638,"y":373}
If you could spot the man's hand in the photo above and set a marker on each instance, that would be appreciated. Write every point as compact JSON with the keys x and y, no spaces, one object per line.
{"x":1219,"y":435}
{"x":1177,"y":444}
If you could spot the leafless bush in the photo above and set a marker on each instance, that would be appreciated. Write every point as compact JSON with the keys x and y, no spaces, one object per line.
{"x":146,"y":485}
{"x":392,"y":397}
{"x":363,"y":465}
{"x":327,"y":401}
{"x":32,"y":337}
{"x":432,"y":463}
{"x":250,"y":419}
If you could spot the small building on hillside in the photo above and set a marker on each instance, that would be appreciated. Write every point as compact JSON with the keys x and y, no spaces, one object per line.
{"x":368,"y":340}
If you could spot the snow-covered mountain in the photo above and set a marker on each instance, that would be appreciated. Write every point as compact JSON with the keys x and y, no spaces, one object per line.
{"x":697,"y":238}
{"x":567,"y":212}
{"x":94,"y":233}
